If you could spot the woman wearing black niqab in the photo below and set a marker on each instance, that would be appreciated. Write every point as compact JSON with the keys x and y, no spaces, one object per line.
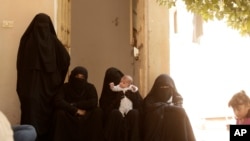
{"x":117,"y":127}
{"x":77,"y":116}
{"x":162,"y":119}
{"x":42,"y":65}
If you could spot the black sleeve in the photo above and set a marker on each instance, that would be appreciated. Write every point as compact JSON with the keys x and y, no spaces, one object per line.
{"x":178,"y":100}
{"x":90,"y":101}
{"x":136,"y":99}
{"x":114,"y":104}
{"x":62,"y":104}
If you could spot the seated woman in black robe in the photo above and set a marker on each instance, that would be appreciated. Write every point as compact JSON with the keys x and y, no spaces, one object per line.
{"x":162,"y":119}
{"x":117,"y":127}
{"x":77,"y":117}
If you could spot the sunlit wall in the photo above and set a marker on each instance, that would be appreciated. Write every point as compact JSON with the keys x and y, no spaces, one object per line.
{"x":209,"y":72}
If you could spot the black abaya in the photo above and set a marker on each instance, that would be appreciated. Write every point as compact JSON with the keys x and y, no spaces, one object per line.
{"x":117,"y":127}
{"x":74,"y":95}
{"x":108,"y":99}
{"x":162,"y":120}
{"x":42,"y":64}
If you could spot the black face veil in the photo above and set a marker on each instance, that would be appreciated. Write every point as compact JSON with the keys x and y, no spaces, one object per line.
{"x":37,"y":49}
{"x":163,"y":89}
{"x":78,"y":84}
{"x":42,"y":65}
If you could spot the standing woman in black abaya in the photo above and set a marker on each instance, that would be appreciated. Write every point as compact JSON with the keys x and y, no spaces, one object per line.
{"x":42,"y":65}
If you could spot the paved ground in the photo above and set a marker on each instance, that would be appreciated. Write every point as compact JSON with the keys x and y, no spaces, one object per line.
{"x":211,"y":130}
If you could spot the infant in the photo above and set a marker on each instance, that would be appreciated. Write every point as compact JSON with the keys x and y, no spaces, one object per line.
{"x":125,"y":84}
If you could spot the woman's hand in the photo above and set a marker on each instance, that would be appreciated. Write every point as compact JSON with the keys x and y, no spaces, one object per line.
{"x":80,"y":112}
{"x":111,"y":85}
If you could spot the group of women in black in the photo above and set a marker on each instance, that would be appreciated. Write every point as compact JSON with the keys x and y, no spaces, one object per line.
{"x":158,"y":117}
{"x":71,"y":111}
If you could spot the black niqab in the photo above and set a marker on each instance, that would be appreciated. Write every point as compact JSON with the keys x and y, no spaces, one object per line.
{"x":42,"y":65}
{"x":163,"y":89}
{"x":39,"y":46}
{"x":162,"y":119}
{"x":78,"y":84}
{"x":74,"y":95}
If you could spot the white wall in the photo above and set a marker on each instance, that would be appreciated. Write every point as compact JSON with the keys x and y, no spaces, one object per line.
{"x":21,"y":13}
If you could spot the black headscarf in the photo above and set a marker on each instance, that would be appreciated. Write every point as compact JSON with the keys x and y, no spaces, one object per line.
{"x":163,"y":90}
{"x":39,"y":46}
{"x":112,"y":74}
{"x":161,"y":119}
{"x":78,"y":84}
{"x":42,"y":65}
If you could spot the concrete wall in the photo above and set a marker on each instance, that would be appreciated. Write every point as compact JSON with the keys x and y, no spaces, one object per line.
{"x":20,"y":13}
{"x":157,"y":39}
{"x":153,"y":42}
{"x":100,"y":38}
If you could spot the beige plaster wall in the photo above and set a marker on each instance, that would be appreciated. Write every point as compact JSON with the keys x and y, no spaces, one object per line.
{"x":21,"y":13}
{"x":100,"y":38}
{"x":158,"y":40}
{"x":153,"y":42}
